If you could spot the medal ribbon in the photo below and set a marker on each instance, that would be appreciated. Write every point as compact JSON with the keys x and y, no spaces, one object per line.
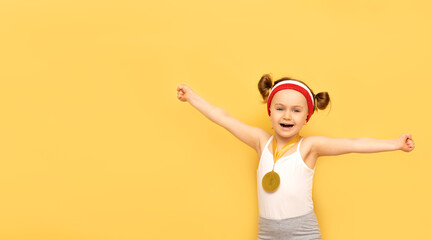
{"x":271,"y":180}
{"x":284,"y":149}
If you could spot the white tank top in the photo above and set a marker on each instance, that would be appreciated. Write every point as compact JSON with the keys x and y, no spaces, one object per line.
{"x":293,"y":196}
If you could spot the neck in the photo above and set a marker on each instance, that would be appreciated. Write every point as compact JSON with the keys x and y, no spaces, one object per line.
{"x":281,"y":141}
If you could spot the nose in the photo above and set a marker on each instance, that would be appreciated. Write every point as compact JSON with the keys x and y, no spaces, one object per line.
{"x":287,"y":115}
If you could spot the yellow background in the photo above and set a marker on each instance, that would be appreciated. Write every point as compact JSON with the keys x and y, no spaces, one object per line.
{"x":95,"y":145}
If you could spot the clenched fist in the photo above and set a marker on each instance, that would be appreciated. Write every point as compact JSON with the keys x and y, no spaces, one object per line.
{"x":184,"y":92}
{"x":406,"y":143}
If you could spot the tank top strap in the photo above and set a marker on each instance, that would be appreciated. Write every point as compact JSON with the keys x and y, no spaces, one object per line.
{"x":299,"y":144}
{"x":267,"y":143}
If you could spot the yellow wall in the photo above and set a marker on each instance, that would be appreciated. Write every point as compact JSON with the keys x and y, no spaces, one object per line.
{"x":95,"y":145}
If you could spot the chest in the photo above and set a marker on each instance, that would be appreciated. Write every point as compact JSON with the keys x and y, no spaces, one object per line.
{"x":303,"y":151}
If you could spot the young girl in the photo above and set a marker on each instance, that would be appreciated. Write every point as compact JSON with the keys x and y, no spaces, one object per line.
{"x":286,"y":167}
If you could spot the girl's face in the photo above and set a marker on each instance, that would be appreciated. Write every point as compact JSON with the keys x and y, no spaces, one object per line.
{"x":289,"y":112}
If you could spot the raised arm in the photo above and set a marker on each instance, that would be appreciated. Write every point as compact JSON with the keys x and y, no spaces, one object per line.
{"x":324,"y":146}
{"x":248,"y":134}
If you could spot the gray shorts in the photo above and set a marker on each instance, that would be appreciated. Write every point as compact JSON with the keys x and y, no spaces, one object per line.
{"x":303,"y":227}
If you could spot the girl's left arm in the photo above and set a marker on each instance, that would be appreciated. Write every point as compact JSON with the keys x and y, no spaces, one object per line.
{"x":324,"y":146}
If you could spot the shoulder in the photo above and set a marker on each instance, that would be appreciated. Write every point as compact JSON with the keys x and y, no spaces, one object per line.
{"x":308,"y":141}
{"x":263,"y":140}
{"x":308,"y":144}
{"x":307,"y":152}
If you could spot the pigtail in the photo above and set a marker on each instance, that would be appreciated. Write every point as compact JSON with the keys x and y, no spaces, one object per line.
{"x":264,"y":86}
{"x":322,"y":100}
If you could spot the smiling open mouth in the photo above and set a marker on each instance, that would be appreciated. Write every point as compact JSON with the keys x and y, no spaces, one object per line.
{"x":286,"y":125}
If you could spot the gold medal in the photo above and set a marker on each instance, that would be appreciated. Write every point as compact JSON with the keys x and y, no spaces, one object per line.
{"x":271,"y":180}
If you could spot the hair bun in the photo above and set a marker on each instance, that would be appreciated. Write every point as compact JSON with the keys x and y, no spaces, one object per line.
{"x":264,"y":86}
{"x":322,"y":100}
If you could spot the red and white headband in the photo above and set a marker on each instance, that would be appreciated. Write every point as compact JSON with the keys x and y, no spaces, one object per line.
{"x":295,"y":85}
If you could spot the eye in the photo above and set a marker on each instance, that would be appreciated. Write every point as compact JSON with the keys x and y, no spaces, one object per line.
{"x":296,"y":110}
{"x":279,"y":109}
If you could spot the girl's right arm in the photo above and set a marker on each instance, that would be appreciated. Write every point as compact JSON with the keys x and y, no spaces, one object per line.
{"x":250,"y":135}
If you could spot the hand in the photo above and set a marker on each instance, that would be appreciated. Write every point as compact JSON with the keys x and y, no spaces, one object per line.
{"x":406,"y":143}
{"x":184,"y":92}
